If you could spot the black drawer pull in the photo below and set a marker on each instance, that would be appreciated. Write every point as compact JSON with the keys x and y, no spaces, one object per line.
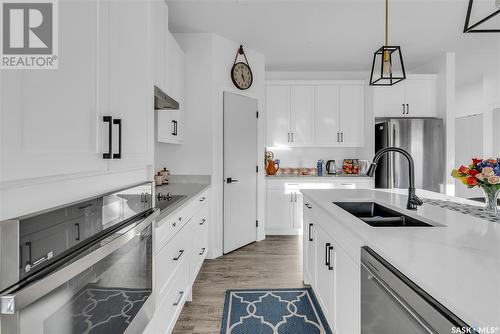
{"x":330,"y":266}
{"x":203,"y":221}
{"x":202,"y":251}
{"x":308,"y":206}
{"x":310,"y":232}
{"x":179,"y":256}
{"x":327,"y":247}
{"x":202,"y":199}
{"x":77,"y":225}
{"x":181,"y":293}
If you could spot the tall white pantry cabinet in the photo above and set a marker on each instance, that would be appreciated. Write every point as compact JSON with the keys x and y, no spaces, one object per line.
{"x":53,"y":133}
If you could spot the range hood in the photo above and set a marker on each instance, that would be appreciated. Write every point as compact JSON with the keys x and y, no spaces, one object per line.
{"x":164,"y":102}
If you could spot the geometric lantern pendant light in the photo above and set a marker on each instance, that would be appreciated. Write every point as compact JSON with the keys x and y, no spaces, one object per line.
{"x":388,"y":68}
{"x":480,"y":25}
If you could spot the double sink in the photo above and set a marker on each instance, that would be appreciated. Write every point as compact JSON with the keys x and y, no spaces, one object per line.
{"x":377,"y":215}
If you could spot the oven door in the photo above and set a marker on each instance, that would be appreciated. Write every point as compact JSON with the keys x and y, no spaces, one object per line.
{"x":104,"y":288}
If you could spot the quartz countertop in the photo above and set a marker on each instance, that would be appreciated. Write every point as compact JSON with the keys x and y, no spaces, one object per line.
{"x":185,"y":187}
{"x":458,"y":264}
{"x":323,"y":177}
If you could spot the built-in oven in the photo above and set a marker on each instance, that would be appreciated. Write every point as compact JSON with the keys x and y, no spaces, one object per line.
{"x":392,"y":304}
{"x":83,"y":268}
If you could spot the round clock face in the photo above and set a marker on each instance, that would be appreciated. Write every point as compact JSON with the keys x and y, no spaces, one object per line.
{"x":241,"y":75}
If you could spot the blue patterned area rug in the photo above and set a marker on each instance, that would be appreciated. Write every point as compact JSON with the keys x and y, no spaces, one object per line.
{"x":273,"y":311}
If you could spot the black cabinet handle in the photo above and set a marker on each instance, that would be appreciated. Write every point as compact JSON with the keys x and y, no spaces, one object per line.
{"x":119,"y":123}
{"x":310,"y":232}
{"x":327,"y":261}
{"x":308,"y":206}
{"x":330,"y":267}
{"x":28,"y":244}
{"x":77,"y":225}
{"x":109,"y":120}
{"x":174,"y":123}
{"x":179,"y":256}
{"x":407,"y":109}
{"x":20,"y":256}
{"x":202,"y":251}
{"x":202,"y":221}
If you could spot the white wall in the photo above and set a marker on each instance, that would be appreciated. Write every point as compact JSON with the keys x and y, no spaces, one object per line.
{"x":209,"y":59}
{"x":307,"y":157}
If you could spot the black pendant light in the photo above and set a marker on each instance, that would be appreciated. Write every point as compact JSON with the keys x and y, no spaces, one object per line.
{"x":388,"y":68}
{"x":479,"y":25}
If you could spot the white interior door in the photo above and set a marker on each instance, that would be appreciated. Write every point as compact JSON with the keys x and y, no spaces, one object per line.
{"x":240,"y":177}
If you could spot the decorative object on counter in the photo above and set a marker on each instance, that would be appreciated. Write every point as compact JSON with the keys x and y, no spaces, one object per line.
{"x":308,"y":171}
{"x":241,"y":74}
{"x":484,"y":174}
{"x":331,"y":167}
{"x":273,"y":311}
{"x":388,"y":68}
{"x":166,"y":175}
{"x":468,"y":28}
{"x":272,"y":167}
{"x":467,"y":209}
{"x":158,"y":179}
{"x":319,"y":167}
{"x":350,"y":167}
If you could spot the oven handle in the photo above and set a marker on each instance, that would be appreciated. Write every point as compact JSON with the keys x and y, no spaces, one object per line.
{"x":10,"y":303}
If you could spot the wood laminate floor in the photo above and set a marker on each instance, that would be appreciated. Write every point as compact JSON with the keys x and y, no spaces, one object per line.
{"x":273,"y":263}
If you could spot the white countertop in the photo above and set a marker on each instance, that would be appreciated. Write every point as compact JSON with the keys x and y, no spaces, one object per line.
{"x":458,"y":264}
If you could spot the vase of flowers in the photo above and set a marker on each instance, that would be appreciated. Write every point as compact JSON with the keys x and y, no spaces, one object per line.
{"x":484,"y":174}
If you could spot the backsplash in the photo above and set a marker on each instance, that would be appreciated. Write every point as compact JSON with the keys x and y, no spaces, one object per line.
{"x":308,"y":156}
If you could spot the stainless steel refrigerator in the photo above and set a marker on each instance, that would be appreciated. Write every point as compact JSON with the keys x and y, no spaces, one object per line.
{"x":423,"y":138}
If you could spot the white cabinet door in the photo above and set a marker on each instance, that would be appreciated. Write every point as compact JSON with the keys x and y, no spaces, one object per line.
{"x":129,"y":82}
{"x":352,"y":115}
{"x":327,"y":115}
{"x":324,"y":274}
{"x":389,"y":101}
{"x":420,"y":97}
{"x":279,"y":209}
{"x":298,"y":218}
{"x":159,"y":17}
{"x":51,"y":120}
{"x":302,"y":115}
{"x":278,"y":115}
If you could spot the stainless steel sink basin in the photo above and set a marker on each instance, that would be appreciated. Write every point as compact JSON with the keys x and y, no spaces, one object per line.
{"x":377,"y":215}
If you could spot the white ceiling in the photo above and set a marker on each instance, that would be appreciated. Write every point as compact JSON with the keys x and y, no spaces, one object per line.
{"x":331,"y":35}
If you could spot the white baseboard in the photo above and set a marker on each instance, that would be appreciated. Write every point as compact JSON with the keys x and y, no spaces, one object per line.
{"x":283,"y":231}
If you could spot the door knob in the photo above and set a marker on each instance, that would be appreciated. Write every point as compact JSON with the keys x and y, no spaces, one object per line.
{"x":231,"y":180}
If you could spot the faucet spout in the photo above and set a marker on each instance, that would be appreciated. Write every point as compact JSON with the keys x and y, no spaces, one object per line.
{"x":413,"y":200}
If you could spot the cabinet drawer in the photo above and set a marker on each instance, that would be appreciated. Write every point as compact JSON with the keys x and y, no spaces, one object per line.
{"x":170,"y":258}
{"x":171,"y":303}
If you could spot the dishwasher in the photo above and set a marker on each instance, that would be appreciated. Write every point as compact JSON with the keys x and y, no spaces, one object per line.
{"x":392,"y":304}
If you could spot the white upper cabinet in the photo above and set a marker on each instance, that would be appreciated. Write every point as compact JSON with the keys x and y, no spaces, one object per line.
{"x":327,"y":115}
{"x":352,"y":116}
{"x":316,"y":114}
{"x":51,"y":120}
{"x":278,"y":115}
{"x":414,"y":97}
{"x":302,"y":114}
{"x":171,"y":123}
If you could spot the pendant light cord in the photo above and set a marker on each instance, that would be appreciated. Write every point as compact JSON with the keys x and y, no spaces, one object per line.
{"x":386,"y":22}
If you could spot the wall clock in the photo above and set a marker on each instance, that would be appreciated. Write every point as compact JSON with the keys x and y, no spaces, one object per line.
{"x":241,"y":74}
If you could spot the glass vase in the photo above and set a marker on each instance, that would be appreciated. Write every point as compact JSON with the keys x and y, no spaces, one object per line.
{"x":490,"y":195}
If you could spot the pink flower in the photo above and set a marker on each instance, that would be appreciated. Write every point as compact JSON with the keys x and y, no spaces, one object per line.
{"x":494,"y":179}
{"x":480,"y":176}
{"x":488,"y":171}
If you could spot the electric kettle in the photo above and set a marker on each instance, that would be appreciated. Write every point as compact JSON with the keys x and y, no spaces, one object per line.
{"x":331,"y":167}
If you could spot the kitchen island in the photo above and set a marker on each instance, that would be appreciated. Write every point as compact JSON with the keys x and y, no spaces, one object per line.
{"x":456,"y":261}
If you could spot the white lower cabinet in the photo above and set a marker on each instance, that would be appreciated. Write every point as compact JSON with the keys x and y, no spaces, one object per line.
{"x":181,"y":245}
{"x":331,"y":268}
{"x":284,"y":214}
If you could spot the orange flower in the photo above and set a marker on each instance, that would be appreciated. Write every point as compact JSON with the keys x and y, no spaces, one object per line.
{"x":471,"y":181}
{"x":464,"y":170}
